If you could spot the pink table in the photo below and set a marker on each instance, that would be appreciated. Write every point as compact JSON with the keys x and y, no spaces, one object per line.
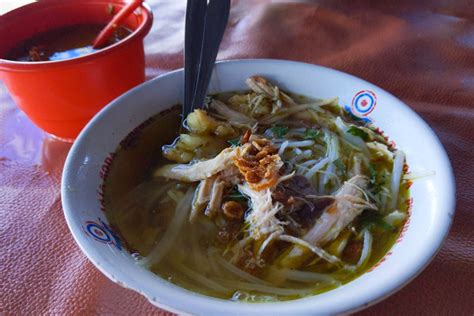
{"x":421,"y":51}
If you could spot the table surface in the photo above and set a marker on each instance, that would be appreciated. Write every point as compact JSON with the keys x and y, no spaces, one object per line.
{"x":421,"y":51}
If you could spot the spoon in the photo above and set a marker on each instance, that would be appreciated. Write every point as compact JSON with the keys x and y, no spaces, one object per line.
{"x":101,"y":39}
{"x":205,"y":26}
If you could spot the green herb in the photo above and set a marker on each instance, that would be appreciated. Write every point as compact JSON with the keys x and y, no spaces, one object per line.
{"x":234,"y":141}
{"x":279,"y":131}
{"x":370,"y":220}
{"x":312,"y":134}
{"x":353,"y":130}
{"x":340,"y":165}
{"x":235,"y":195}
{"x":373,"y":174}
{"x":376,"y":184}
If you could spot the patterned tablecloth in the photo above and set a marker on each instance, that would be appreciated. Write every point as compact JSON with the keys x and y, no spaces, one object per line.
{"x":421,"y":51}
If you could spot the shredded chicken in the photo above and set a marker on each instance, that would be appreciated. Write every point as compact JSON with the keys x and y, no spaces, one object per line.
{"x":202,"y":196}
{"x":348,"y":204}
{"x":199,"y":170}
{"x":261,"y":85}
{"x":256,"y":161}
{"x":216,"y":198}
{"x":210,"y":192}
{"x":261,"y":219}
{"x":233,"y":117}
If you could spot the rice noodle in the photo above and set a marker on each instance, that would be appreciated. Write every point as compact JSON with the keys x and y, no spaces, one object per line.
{"x":142,"y":196}
{"x":308,"y":163}
{"x":326,"y":177}
{"x":199,"y":278}
{"x":296,"y":108}
{"x":366,"y":250}
{"x":340,"y":124}
{"x":308,"y":277}
{"x":395,"y":217}
{"x":303,"y":143}
{"x":200,"y":260}
{"x":238,"y":272}
{"x":285,"y":177}
{"x":173,"y":231}
{"x":300,"y":130}
{"x":339,"y":244}
{"x":175,"y":196}
{"x":332,"y":153}
{"x":332,"y":150}
{"x":318,"y":251}
{"x":351,"y":139}
{"x":302,"y":156}
{"x":297,"y":151}
{"x":282,"y":148}
{"x":331,"y":174}
{"x":419,"y":175}
{"x":397,"y":172}
{"x":212,"y":252}
{"x":316,"y":167}
{"x":263,"y":288}
{"x":236,"y":249}
{"x":266,"y":242}
{"x":231,"y":115}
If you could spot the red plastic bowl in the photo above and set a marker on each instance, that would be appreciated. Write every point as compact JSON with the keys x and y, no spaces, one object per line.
{"x":62,"y":96}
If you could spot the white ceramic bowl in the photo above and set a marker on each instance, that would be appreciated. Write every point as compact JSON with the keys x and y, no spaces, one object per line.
{"x":433,"y":197}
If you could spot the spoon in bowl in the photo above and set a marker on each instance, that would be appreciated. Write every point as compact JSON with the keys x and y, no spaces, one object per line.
{"x":101,"y":39}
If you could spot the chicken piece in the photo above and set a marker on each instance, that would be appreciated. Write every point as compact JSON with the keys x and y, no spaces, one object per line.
{"x":262,"y":219}
{"x":261,"y":85}
{"x":253,"y":105}
{"x":216,"y":198}
{"x":348,"y":204}
{"x":209,"y":194}
{"x":202,"y":196}
{"x":200,"y":170}
{"x":225,"y":179}
{"x":232,"y":116}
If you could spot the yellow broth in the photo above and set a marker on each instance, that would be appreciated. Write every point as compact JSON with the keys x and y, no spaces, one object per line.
{"x":140,"y":208}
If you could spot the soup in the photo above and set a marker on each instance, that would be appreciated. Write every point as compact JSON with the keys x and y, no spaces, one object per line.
{"x":63,"y":43}
{"x":262,"y":196}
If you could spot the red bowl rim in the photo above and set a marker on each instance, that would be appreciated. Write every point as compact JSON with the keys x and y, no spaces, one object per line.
{"x":138,"y":34}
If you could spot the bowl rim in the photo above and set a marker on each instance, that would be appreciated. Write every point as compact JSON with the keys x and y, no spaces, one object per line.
{"x":281,"y":307}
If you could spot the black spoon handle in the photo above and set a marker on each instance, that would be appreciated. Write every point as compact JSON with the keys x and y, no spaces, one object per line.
{"x":212,"y":27}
